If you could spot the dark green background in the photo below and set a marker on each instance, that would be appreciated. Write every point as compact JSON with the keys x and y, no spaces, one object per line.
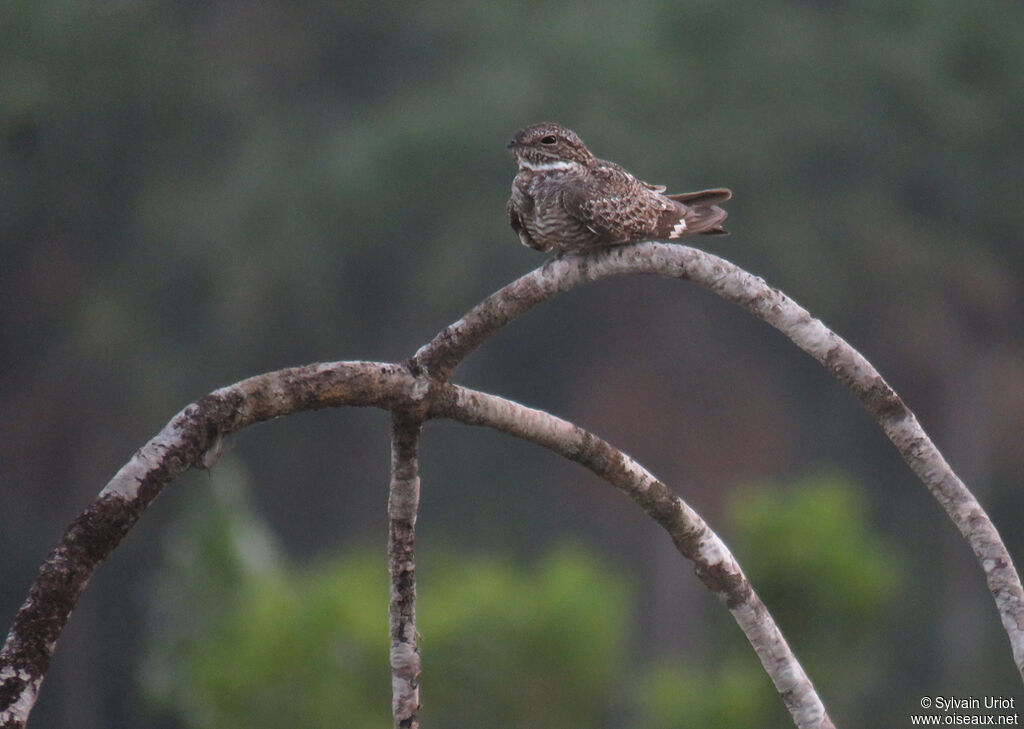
{"x":195,"y":192}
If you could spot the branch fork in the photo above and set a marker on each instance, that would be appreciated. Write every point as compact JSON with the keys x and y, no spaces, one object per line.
{"x":419,"y":390}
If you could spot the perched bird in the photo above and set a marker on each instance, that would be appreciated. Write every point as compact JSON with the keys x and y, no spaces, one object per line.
{"x":566,"y":199}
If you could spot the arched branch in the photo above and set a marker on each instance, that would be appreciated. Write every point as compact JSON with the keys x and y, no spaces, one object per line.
{"x":713,"y":562}
{"x":444,"y":353}
{"x":25,"y":657}
{"x":419,"y":389}
{"x":186,"y":439}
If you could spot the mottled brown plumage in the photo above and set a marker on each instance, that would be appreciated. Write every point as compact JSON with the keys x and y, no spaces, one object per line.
{"x":566,"y":199}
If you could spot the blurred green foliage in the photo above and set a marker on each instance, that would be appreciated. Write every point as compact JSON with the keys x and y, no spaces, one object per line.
{"x":241,"y":638}
{"x":815,"y":531}
{"x":829,"y":580}
{"x":537,"y":646}
{"x":729,"y":694}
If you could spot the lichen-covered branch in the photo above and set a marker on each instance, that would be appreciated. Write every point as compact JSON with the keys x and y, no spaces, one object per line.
{"x":443,"y":354}
{"x":419,"y":389}
{"x":182,"y":443}
{"x":713,"y":562}
{"x":185,"y":440}
{"x":403,"y":506}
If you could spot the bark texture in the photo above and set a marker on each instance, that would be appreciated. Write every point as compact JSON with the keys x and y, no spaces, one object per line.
{"x":183,"y":443}
{"x":713,"y":563}
{"x":403,"y":506}
{"x":444,"y":353}
{"x":420,"y":389}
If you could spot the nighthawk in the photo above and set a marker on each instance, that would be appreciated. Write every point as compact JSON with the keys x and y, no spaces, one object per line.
{"x":566,"y":199}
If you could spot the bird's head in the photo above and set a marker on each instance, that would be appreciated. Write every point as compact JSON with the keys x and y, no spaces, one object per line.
{"x":547,"y":146}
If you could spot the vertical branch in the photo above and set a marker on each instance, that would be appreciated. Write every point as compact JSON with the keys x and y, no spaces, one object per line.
{"x":183,"y":443}
{"x":403,"y":504}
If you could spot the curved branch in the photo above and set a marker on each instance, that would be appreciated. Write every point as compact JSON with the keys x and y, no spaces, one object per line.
{"x":185,"y":441}
{"x":182,"y":444}
{"x":444,"y":353}
{"x":713,"y":563}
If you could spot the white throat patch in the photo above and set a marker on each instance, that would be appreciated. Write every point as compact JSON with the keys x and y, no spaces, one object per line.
{"x":544,"y":166}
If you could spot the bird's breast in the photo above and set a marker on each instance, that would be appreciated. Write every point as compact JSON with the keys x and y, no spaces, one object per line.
{"x":543,"y":213}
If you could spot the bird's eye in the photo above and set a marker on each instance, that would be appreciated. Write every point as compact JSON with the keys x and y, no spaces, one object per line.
{"x":550,"y":139}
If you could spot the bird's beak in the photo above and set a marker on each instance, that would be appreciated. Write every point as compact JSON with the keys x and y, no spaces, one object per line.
{"x":511,"y":144}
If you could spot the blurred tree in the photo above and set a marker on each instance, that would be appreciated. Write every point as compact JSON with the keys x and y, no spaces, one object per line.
{"x":829,"y":581}
{"x":736,"y":693}
{"x":239,"y":638}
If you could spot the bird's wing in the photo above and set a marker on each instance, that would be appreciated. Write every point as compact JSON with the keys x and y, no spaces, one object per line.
{"x":616,"y":169}
{"x":614,"y":204}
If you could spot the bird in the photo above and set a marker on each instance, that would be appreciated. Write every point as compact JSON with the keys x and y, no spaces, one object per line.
{"x":567,"y":200}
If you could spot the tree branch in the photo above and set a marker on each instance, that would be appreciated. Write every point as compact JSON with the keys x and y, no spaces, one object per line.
{"x":403,"y":506}
{"x":182,"y":443}
{"x":444,"y":353}
{"x":713,"y":563}
{"x":185,"y":440}
{"x":412,"y":396}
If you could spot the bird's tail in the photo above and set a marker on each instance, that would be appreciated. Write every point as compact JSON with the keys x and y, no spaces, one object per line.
{"x":696,"y":212}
